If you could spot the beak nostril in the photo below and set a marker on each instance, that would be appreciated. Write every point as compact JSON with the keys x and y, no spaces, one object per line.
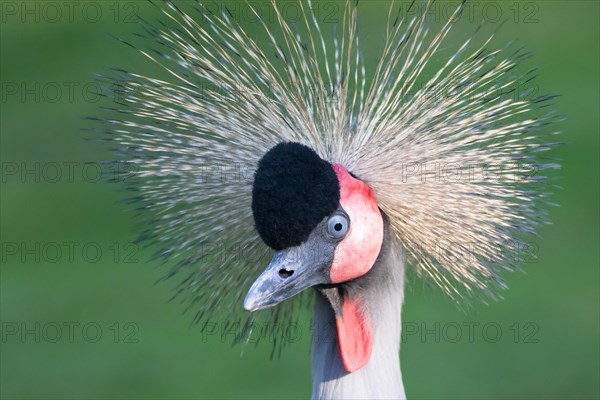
{"x":284,"y":273}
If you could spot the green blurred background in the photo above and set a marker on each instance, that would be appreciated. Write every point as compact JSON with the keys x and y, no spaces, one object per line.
{"x":549,"y":344}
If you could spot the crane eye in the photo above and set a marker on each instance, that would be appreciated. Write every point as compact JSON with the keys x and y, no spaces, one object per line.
{"x":337,"y":226}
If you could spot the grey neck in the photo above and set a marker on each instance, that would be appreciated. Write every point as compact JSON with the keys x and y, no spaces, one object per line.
{"x":383,"y":294}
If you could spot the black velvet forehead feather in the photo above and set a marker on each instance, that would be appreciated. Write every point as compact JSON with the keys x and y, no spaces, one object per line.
{"x":294,"y":189}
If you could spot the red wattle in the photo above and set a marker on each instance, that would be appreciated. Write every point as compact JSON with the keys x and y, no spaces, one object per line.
{"x":355,"y":336}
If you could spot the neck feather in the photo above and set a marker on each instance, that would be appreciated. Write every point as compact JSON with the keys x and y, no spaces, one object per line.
{"x":381,"y":293}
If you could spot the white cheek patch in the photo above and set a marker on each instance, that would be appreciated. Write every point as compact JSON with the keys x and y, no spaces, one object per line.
{"x":357,"y":253}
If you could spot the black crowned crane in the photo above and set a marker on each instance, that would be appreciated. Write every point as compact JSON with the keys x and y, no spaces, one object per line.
{"x":344,"y":169}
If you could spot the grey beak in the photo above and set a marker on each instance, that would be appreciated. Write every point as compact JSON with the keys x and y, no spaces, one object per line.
{"x":289,"y":272}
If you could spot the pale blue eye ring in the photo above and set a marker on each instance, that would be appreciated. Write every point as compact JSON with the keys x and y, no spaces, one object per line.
{"x":338,"y":225}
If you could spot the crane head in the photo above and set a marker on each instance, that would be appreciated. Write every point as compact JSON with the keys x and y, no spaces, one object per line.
{"x":326,"y":229}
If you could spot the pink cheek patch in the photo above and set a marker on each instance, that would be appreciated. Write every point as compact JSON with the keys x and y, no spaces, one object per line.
{"x":356,"y":254}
